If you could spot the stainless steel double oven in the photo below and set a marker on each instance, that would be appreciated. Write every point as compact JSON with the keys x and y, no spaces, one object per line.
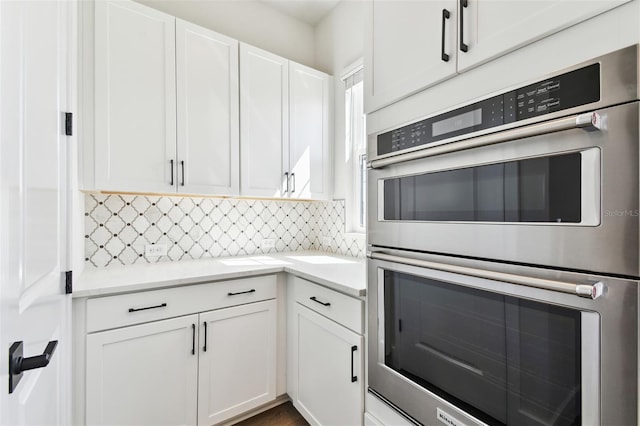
{"x":504,"y":254}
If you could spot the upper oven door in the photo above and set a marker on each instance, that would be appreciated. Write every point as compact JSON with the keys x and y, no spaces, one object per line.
{"x":566,"y":198}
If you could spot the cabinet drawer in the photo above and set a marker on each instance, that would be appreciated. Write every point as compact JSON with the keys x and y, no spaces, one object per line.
{"x":135,"y":308}
{"x":339,"y":307}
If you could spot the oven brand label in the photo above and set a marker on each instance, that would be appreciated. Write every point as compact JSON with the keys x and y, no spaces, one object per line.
{"x":448,"y":419}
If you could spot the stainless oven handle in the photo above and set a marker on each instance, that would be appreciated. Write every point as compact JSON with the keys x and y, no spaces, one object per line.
{"x":590,"y":120}
{"x":591,"y":290}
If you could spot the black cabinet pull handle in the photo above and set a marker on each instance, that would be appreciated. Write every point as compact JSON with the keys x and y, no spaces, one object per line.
{"x":463,"y":5}
{"x":293,"y":187}
{"x":164,"y":305}
{"x":354,"y":378}
{"x":286,"y":176}
{"x":204,"y":348}
{"x":18,"y":364}
{"x":193,"y":341}
{"x":445,"y":16}
{"x":317,"y":301}
{"x":171,"y":161}
{"x":182,"y":164}
{"x":253,"y":290}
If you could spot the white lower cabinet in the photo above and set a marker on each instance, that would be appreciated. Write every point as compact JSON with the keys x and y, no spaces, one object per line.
{"x":201,"y":367}
{"x":237,"y":362}
{"x":144,"y":374}
{"x":330,"y":373}
{"x":325,"y":368}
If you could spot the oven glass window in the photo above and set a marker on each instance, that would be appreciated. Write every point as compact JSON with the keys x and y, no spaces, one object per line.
{"x":505,"y":360}
{"x":545,"y":189}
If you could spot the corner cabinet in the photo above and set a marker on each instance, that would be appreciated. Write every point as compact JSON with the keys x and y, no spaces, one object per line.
{"x":325,"y":369}
{"x":411,"y":45}
{"x":166,"y":103}
{"x":285,"y":127}
{"x":193,"y":355}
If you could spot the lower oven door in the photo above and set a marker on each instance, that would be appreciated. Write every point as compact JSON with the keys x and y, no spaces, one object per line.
{"x":449,"y":343}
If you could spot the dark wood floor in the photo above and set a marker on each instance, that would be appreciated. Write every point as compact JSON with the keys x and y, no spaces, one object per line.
{"x":282,"y":415}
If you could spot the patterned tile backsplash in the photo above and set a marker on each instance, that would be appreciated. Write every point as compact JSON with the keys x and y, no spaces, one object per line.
{"x":119,"y":227}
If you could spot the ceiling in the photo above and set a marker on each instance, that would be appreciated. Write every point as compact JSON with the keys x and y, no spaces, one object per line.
{"x":309,"y":11}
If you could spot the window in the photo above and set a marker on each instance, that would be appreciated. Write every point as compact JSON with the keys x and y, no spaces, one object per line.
{"x":356,"y":148}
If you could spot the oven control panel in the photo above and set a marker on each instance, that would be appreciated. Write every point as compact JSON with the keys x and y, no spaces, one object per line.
{"x":564,"y":91}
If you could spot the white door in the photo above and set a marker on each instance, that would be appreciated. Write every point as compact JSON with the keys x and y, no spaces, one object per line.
{"x":495,"y":27}
{"x":144,"y":374}
{"x":404,"y":47}
{"x":264,"y":124}
{"x":309,"y":153}
{"x":237,"y":367}
{"x":34,"y":309}
{"x":208,"y":111}
{"x":330,"y":371}
{"x":135,"y":98}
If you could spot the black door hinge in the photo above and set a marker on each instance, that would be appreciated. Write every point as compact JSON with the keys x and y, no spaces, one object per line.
{"x":68,"y":123}
{"x":68,"y":286}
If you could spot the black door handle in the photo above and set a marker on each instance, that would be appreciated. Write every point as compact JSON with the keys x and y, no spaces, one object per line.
{"x":182,"y":164}
{"x":445,"y":16}
{"x":293,"y":187}
{"x":286,"y":176}
{"x":171,"y":183}
{"x":463,"y":5}
{"x":353,"y":377}
{"x":163,"y":305}
{"x":317,"y":301}
{"x":253,"y":290}
{"x":18,"y":364}
{"x":204,"y":348}
{"x":193,"y":342}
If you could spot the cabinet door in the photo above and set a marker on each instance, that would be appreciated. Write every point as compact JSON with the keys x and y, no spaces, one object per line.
{"x":495,"y":27}
{"x":330,"y":371}
{"x":237,"y":367}
{"x":404,"y":46}
{"x":143,"y":375}
{"x":135,"y":97}
{"x":264,"y":122}
{"x":208,"y":112}
{"x":309,"y":138}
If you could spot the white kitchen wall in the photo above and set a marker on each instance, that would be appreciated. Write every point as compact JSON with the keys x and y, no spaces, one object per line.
{"x":118,"y":227}
{"x":339,"y":42}
{"x":249,"y":21}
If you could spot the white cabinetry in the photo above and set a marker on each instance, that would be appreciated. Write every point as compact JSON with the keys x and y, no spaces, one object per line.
{"x":264,"y":122}
{"x":200,"y":354}
{"x":404,"y":46}
{"x":406,"y":40}
{"x":208,"y":114}
{"x":237,"y":361}
{"x":325,"y":347}
{"x":285,"y":124}
{"x":309,"y":161}
{"x":135,"y":97}
{"x":144,"y":375}
{"x":166,"y":104}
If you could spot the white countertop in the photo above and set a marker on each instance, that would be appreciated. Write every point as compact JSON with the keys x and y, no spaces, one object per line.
{"x":342,"y":273}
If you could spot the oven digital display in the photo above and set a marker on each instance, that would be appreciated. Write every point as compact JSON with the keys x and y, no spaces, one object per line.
{"x":459,"y":122}
{"x":568,"y":90}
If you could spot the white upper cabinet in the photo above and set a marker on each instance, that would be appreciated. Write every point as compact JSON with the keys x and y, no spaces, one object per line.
{"x":208,"y":113}
{"x":494,"y":27}
{"x":404,"y":46}
{"x":284,"y":127}
{"x":135,"y":97}
{"x":413,"y":44}
{"x":309,"y":100}
{"x":264,"y":122}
